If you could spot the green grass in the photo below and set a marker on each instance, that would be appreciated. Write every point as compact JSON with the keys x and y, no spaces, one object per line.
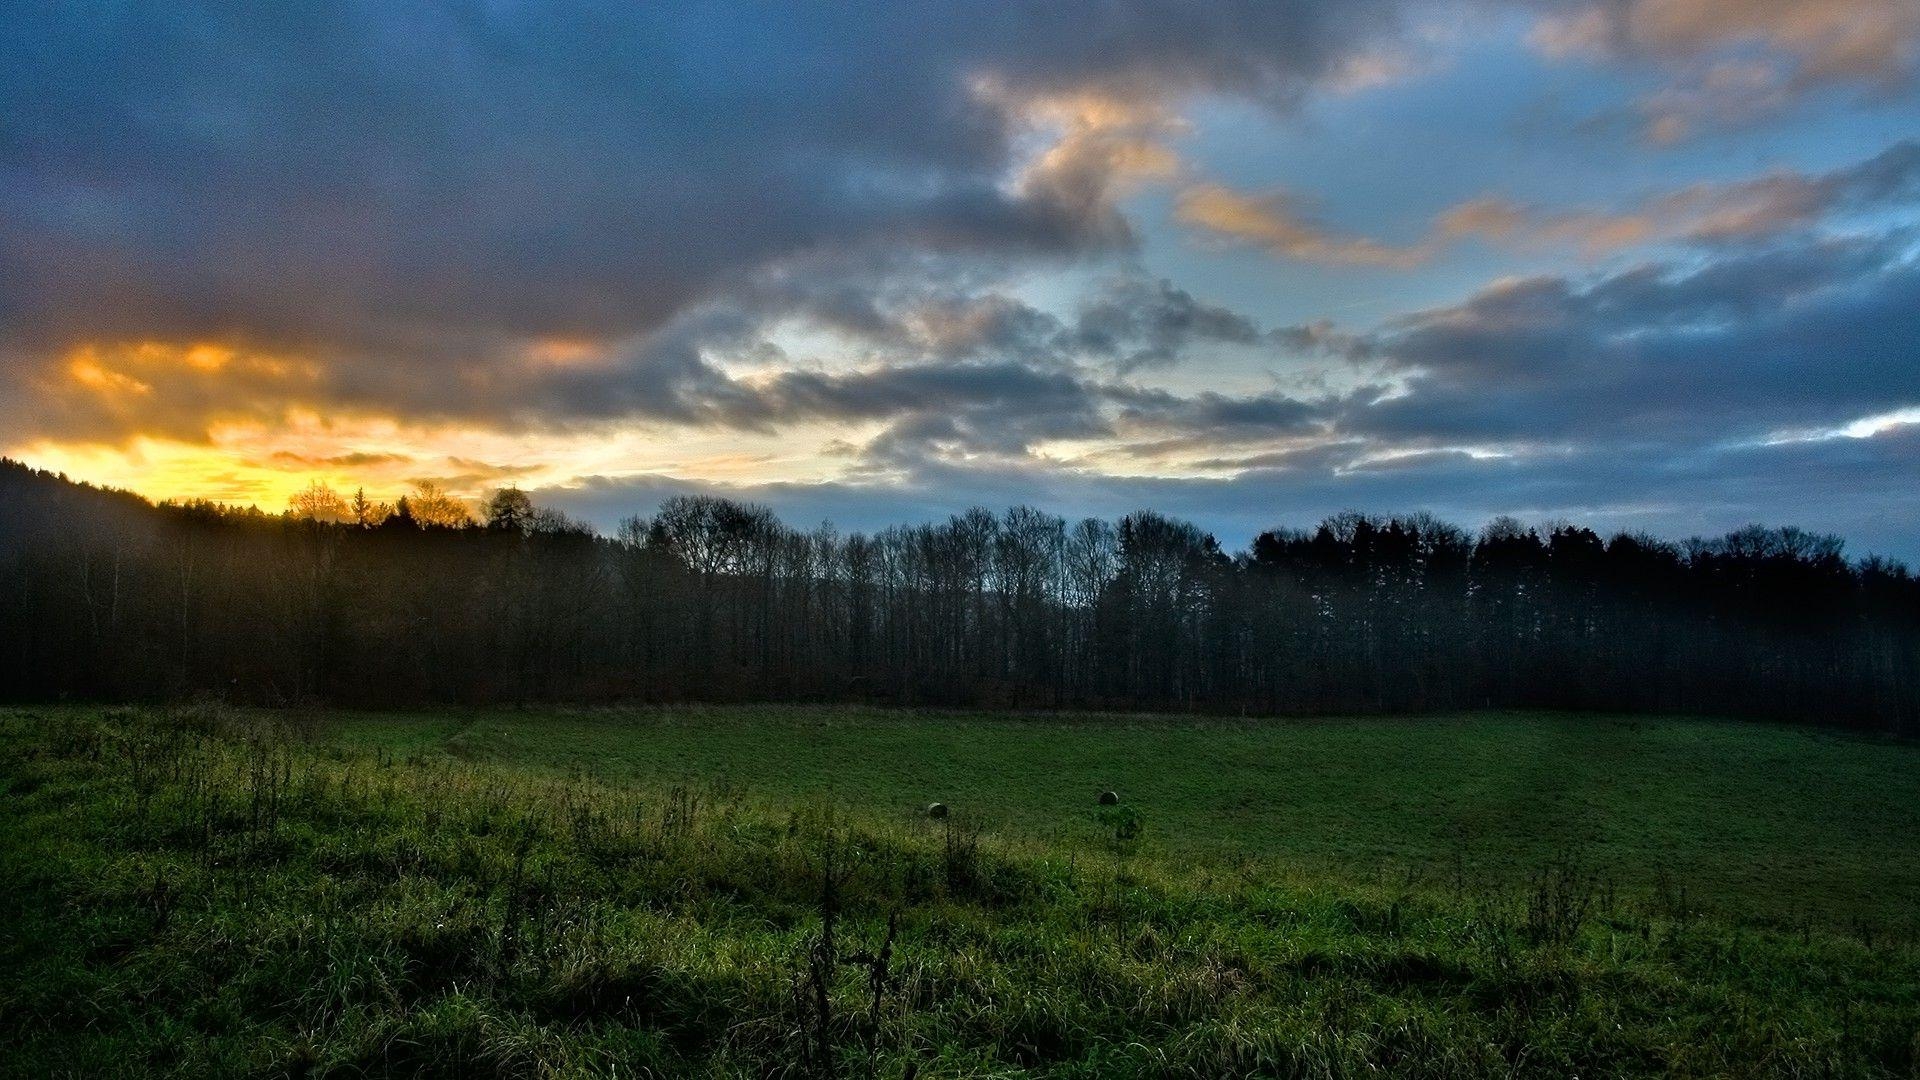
{"x":199,"y":892}
{"x":1763,"y":820}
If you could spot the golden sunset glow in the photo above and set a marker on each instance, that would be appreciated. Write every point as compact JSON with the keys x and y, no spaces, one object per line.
{"x":192,"y":357}
{"x":86,"y":370}
{"x":264,"y":464}
{"x":566,"y":352}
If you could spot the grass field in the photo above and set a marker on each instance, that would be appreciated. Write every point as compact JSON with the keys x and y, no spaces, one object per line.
{"x":1763,"y":820}
{"x":758,"y":891}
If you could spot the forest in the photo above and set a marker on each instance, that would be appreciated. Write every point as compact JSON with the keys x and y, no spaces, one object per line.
{"x":105,"y":596}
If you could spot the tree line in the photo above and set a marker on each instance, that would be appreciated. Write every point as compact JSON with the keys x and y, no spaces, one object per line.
{"x":341,"y":599}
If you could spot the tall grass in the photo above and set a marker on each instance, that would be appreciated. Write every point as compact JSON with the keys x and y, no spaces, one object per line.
{"x":197,"y":892}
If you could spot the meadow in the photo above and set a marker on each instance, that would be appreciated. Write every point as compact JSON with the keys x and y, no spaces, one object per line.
{"x":1756,"y":819}
{"x":760,"y":891}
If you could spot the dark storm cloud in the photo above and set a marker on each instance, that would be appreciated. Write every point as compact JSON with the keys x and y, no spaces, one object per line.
{"x":361,"y":174}
{"x":1813,"y":332}
{"x":1128,"y":322}
{"x":952,"y":362}
{"x":974,"y":370}
{"x":1007,"y":408}
{"x":1150,"y":324}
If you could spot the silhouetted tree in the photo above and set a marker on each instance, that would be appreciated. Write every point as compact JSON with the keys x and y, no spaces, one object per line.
{"x":104,"y":595}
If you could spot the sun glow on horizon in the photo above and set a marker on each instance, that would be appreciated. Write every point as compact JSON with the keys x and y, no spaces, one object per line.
{"x":265,"y":465}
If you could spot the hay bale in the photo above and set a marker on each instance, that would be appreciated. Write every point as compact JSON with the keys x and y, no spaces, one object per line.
{"x":1109,"y":798}
{"x":937,"y":810}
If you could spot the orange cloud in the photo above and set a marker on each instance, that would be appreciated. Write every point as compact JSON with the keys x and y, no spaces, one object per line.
{"x":1759,"y":206}
{"x":85,"y":367}
{"x":147,"y":384}
{"x":265,"y":461}
{"x":1272,"y":223}
{"x":1741,"y":61}
{"x":1763,"y":205}
{"x":566,"y":351}
{"x":1875,"y":40}
{"x":1505,"y":221}
{"x":1091,"y":147}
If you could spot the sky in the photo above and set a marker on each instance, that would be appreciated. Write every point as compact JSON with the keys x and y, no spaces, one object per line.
{"x":1646,"y":265}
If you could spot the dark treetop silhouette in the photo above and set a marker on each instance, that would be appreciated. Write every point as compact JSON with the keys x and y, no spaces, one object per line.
{"x":103,"y":595}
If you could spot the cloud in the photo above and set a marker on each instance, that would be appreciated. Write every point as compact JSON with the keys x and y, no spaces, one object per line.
{"x":1808,"y":331}
{"x":363,"y":175}
{"x":1505,"y":221}
{"x":1744,"y":209}
{"x":1276,"y":225}
{"x":1126,"y":321}
{"x":1141,"y":323}
{"x":1725,"y":95}
{"x":1863,"y":40}
{"x":1643,"y":396}
{"x":1860,"y":488}
{"x":357,"y":460}
{"x":1760,"y":207}
{"x":1738,"y":62}
{"x":1101,"y":147}
{"x":1710,"y":212}
{"x":527,"y":213}
{"x":483,"y":241}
